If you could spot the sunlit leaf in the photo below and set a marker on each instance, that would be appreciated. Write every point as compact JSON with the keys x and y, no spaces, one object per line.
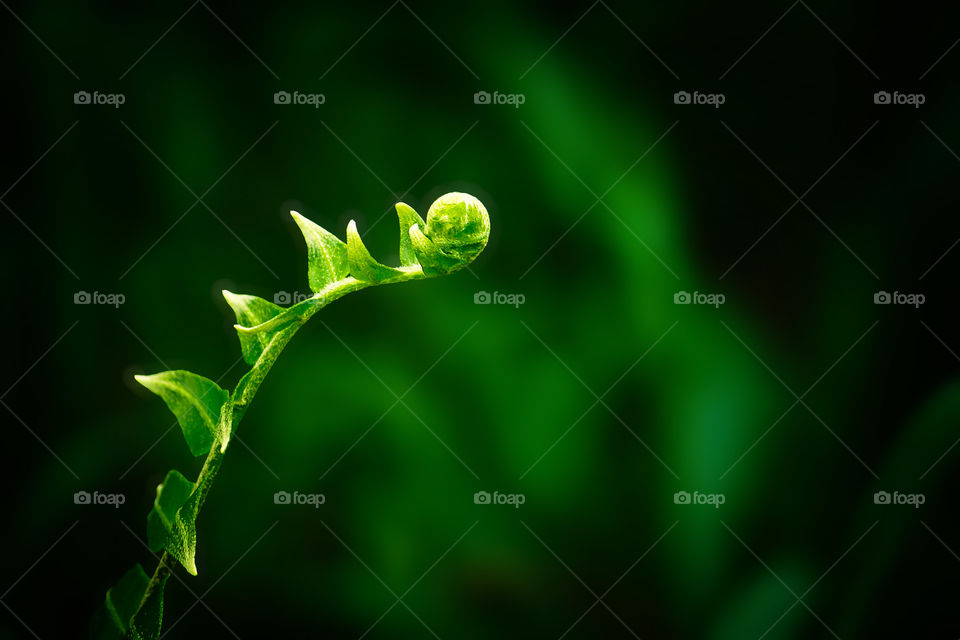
{"x":252,"y":311}
{"x":408,"y":218}
{"x":362,"y":265}
{"x":326,"y":254}
{"x":433,"y":261}
{"x":195,"y":400}
{"x":133,"y":609}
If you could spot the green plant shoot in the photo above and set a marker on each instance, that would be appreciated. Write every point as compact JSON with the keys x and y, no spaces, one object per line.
{"x":455,"y":232}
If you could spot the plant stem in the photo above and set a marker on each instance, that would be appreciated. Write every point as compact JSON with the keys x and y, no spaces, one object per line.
{"x":247,"y":388}
{"x":160,"y":575}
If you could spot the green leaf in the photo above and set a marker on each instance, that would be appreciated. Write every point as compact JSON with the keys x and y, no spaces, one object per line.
{"x":148,"y":620}
{"x":433,"y":261}
{"x":251,"y":311}
{"x":408,"y":218}
{"x":195,"y":400}
{"x":172,"y":527}
{"x":456,"y":231}
{"x":326,"y":254}
{"x":362,"y":265}
{"x":114,"y":617}
{"x":299,"y":311}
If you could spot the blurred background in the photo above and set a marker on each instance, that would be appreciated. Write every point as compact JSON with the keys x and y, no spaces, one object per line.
{"x":714,"y":469}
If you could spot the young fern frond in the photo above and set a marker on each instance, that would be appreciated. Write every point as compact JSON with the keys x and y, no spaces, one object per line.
{"x":454,"y":233}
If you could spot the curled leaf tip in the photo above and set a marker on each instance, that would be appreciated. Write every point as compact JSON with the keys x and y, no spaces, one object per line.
{"x":455,"y":232}
{"x":458,"y":226}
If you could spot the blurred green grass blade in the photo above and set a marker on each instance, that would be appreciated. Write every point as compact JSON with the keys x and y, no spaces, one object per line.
{"x":919,"y":461}
{"x":755,"y":609}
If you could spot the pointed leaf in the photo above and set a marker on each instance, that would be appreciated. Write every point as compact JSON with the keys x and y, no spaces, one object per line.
{"x":408,"y":218}
{"x":148,"y":620}
{"x":431,"y":258}
{"x":171,"y":527}
{"x":195,"y":400}
{"x":299,"y":311}
{"x":362,"y":265}
{"x":326,"y":254}
{"x":251,"y":311}
{"x":114,"y":617}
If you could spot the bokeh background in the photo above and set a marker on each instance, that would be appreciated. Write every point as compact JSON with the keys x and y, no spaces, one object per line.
{"x":598,"y":398}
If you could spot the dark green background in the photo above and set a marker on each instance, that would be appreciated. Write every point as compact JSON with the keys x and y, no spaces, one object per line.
{"x":399,"y":122}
